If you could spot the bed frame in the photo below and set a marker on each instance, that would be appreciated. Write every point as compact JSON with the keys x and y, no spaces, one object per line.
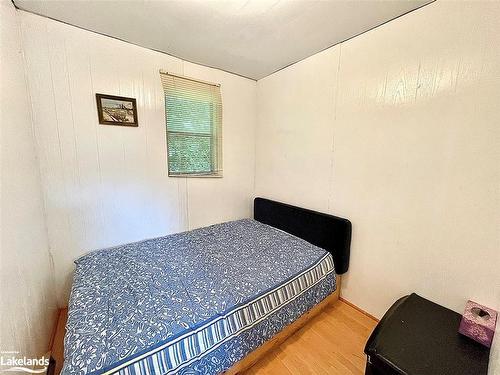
{"x":326,"y":231}
{"x":329,"y":232}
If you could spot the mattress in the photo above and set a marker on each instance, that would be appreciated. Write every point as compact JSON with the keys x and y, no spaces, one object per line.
{"x":190,"y":303}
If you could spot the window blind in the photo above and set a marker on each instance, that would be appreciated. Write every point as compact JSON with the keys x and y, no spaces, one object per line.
{"x":193,"y":111}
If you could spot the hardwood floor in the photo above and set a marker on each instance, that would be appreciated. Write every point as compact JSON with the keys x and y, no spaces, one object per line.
{"x":330,"y":343}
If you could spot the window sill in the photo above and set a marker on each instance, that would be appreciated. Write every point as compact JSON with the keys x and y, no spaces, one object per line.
{"x":197,"y":175}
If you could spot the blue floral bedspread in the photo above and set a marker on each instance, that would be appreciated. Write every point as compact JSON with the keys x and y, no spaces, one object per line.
{"x":191,"y":303}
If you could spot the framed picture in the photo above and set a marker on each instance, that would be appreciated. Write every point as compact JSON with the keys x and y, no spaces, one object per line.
{"x":116,"y":110}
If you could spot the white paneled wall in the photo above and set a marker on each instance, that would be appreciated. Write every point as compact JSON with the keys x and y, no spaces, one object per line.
{"x":295,"y":133}
{"x":106,"y":185}
{"x":416,"y":161}
{"x":27,"y":296}
{"x":399,"y":131}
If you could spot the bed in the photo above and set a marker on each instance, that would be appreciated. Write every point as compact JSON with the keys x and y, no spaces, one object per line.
{"x":200,"y":302}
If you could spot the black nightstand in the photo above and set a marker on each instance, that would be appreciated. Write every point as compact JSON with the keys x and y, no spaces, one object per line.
{"x":419,"y":337}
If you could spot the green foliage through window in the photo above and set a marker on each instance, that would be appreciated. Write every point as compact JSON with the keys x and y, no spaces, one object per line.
{"x":193,"y":112}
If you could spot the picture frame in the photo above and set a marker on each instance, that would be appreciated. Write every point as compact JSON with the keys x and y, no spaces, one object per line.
{"x":116,"y":110}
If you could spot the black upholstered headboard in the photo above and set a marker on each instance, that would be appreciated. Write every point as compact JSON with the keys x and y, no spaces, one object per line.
{"x":329,"y":232}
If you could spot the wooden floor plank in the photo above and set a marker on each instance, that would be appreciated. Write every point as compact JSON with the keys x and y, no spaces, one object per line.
{"x":332,"y":342}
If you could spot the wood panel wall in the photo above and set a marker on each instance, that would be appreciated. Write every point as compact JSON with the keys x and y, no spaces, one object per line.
{"x":107,"y":185}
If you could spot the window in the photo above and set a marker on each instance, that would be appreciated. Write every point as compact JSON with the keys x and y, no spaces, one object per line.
{"x":194,"y":127}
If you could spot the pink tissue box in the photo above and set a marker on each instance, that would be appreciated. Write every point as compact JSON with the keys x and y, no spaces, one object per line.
{"x":478,"y":323}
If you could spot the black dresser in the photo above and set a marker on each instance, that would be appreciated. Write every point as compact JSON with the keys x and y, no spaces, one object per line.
{"x":419,"y":337}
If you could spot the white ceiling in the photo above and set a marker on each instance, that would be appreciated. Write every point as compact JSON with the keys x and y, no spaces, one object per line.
{"x":252,"y":38}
